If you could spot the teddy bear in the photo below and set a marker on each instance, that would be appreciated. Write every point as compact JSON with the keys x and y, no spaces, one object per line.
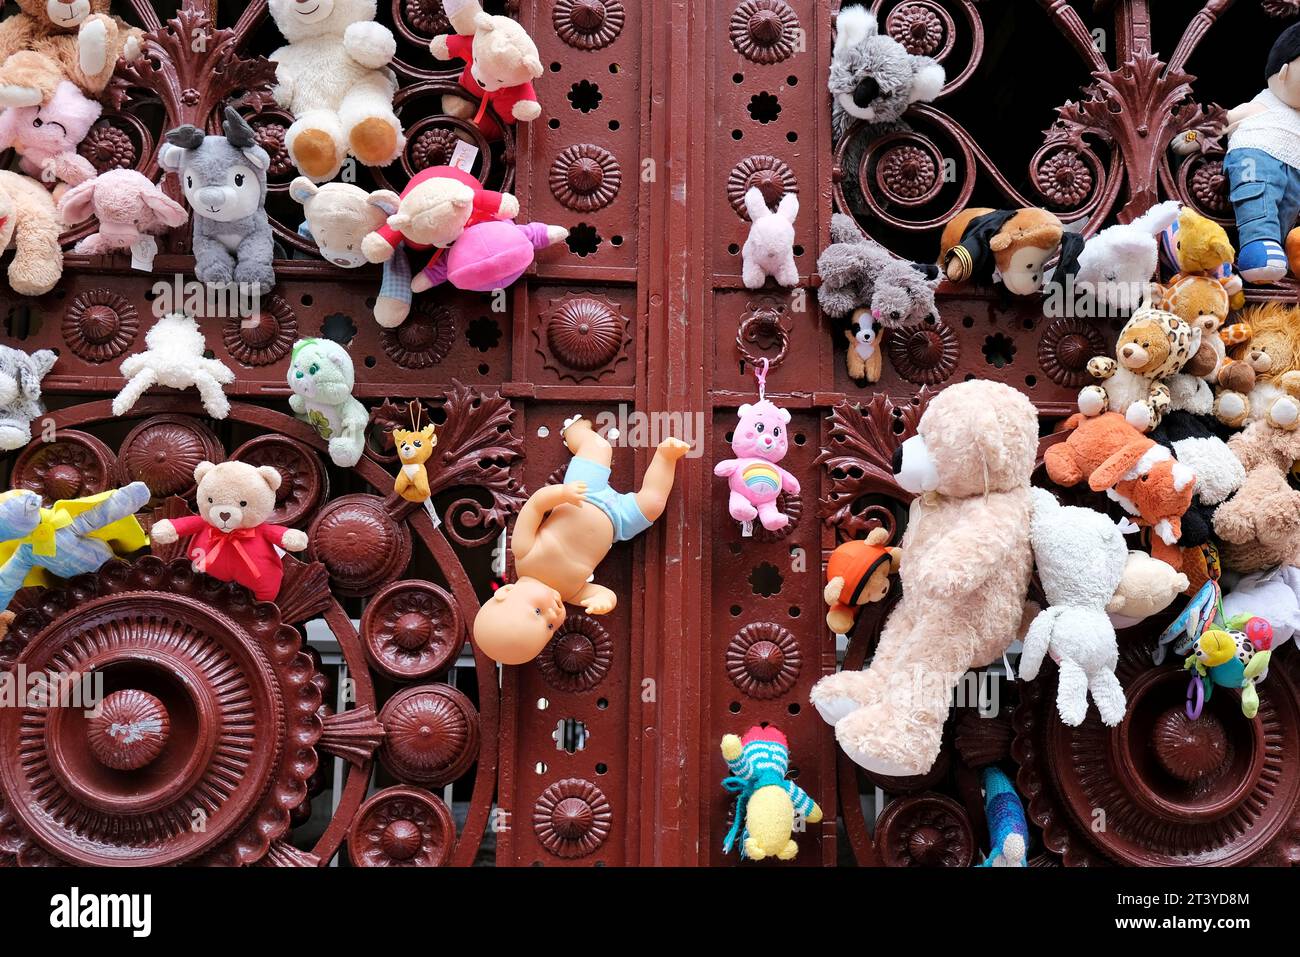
{"x":1274,"y":353}
{"x":72,"y":537}
{"x":873,"y":78}
{"x":30,"y":225}
{"x":175,"y":357}
{"x":52,"y":40}
{"x":1196,"y":245}
{"x":965,"y":570}
{"x":46,"y":136}
{"x":767,"y":803}
{"x":769,"y":248}
{"x":1010,"y":246}
{"x":1259,"y":527}
{"x":339,"y":216}
{"x":501,"y":63}
{"x":322,"y":378}
{"x":434,"y":209}
{"x":333,"y":77}
{"x":1152,"y":346}
{"x":858,"y":573}
{"x":1147,"y":587}
{"x":760,"y":441}
{"x":224,"y":180}
{"x":130,"y":210}
{"x":1203,"y":304}
{"x":232,"y":539}
{"x":1081,"y":556}
{"x":20,"y":393}
{"x":859,"y":273}
{"x":1116,"y":266}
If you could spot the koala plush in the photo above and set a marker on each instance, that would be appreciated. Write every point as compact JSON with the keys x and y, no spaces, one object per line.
{"x":873,"y":77}
{"x":224,"y":180}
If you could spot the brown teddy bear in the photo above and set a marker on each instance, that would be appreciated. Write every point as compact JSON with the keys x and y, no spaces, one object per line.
{"x":29,"y":224}
{"x":232,"y":539}
{"x":1153,"y":346}
{"x":1202,"y":303}
{"x":1259,"y":526}
{"x":53,"y":40}
{"x":1273,"y":353}
{"x":965,"y":571}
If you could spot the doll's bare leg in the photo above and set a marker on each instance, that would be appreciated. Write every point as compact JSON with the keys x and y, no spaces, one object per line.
{"x":583,"y":442}
{"x":657,"y":483}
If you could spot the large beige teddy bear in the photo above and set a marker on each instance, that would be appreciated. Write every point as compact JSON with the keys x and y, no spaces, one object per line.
{"x":29,"y":225}
{"x":965,"y":572}
{"x":333,"y":76}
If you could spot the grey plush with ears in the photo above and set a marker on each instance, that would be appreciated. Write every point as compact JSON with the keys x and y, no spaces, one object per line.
{"x":858,"y":272}
{"x":20,"y":394}
{"x":873,"y":77}
{"x":224,"y":180}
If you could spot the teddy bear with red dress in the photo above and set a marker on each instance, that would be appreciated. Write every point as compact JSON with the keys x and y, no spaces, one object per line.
{"x":501,"y":63}
{"x":232,"y":539}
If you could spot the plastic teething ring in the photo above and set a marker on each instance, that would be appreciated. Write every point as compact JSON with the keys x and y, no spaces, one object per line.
{"x":1195,"y":697}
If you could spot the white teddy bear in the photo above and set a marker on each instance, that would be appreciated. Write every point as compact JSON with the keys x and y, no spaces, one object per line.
{"x":175,"y":359}
{"x":1081,"y":557}
{"x":769,"y":250}
{"x":333,"y":76}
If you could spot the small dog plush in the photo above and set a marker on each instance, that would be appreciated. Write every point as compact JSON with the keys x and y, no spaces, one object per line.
{"x":864,"y":360}
{"x":873,"y":77}
{"x":769,"y":250}
{"x":414,"y":449}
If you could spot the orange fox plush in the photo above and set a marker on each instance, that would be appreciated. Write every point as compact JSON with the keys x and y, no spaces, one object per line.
{"x":414,"y":449}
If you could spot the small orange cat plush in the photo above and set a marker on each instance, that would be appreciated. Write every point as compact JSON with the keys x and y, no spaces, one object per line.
{"x":414,"y":449}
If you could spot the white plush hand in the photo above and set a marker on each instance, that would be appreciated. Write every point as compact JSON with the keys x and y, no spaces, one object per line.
{"x":509,"y":206}
{"x":370,"y":44}
{"x":131,"y":49}
{"x":294,"y":540}
{"x":526,"y":110}
{"x":92,"y":45}
{"x":556,"y":234}
{"x":438,"y":47}
{"x":163,"y":532}
{"x":376,"y":249}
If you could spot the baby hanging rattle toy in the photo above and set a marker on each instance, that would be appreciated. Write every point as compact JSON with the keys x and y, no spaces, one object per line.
{"x":755,"y":478}
{"x":766,"y":803}
{"x":561,"y":534}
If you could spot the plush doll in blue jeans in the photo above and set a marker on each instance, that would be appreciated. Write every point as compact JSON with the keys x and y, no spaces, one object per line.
{"x":1263,"y":166}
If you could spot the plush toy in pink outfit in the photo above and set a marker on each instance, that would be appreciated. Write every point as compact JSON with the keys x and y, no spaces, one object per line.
{"x":130,"y":208}
{"x":492,"y":255}
{"x":754,"y":477}
{"x":46,"y":137}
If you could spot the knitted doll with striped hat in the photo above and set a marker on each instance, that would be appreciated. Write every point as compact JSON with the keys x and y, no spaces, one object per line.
{"x":766,"y":803}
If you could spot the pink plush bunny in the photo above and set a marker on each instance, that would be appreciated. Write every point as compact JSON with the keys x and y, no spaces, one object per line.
{"x":755,"y":479}
{"x":129,"y":208}
{"x":46,"y":137}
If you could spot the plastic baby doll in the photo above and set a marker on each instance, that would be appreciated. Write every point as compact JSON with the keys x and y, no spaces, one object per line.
{"x":1263,"y":166}
{"x":561,"y":534}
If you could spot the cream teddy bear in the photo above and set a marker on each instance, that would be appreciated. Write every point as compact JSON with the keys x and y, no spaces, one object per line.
{"x":965,"y":572}
{"x":1147,"y":587}
{"x":333,"y":76}
{"x":501,"y":63}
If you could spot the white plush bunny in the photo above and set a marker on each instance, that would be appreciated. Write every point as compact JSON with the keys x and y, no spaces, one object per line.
{"x":769,"y":250}
{"x":174,"y":358}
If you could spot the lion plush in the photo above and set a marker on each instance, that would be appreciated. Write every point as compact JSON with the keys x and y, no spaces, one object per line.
{"x":1273,"y":351}
{"x":965,"y":572}
{"x":83,"y":45}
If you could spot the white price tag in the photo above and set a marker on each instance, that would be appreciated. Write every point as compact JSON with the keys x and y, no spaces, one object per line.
{"x":463,"y":156}
{"x":746,"y":529}
{"x":428,"y":507}
{"x":142,"y":253}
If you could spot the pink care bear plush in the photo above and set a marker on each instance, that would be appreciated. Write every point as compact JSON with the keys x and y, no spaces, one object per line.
{"x":130,"y":209}
{"x":46,"y":137}
{"x":754,"y":477}
{"x":965,"y":572}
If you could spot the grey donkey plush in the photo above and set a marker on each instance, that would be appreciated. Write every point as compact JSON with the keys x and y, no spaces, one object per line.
{"x":224,"y":180}
{"x":20,"y":394}
{"x":873,"y":77}
{"x":857,"y":272}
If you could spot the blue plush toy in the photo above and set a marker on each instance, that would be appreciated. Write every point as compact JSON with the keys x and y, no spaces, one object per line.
{"x":1008,"y":829}
{"x":70,"y":538}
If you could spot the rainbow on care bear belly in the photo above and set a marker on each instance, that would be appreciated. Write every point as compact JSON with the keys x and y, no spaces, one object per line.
{"x":754,"y":478}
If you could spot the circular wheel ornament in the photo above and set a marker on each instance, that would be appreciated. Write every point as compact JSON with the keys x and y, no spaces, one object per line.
{"x":163,"y":451}
{"x":578,"y":657}
{"x":75,"y":464}
{"x":431,"y":735}
{"x":304,"y":483}
{"x":402,"y":827}
{"x":100,"y":325}
{"x":412,"y":629}
{"x":572,"y":818}
{"x":763,"y":660}
{"x":925,"y":830}
{"x":209,"y":712}
{"x":360,"y":544}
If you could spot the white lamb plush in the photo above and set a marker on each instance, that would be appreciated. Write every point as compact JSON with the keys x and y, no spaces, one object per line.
{"x":333,"y":76}
{"x":174,"y":359}
{"x":1081,"y":557}
{"x":769,"y":250}
{"x":1119,"y":262}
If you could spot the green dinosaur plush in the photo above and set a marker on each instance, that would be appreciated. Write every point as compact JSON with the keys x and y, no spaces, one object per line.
{"x":322,"y":378}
